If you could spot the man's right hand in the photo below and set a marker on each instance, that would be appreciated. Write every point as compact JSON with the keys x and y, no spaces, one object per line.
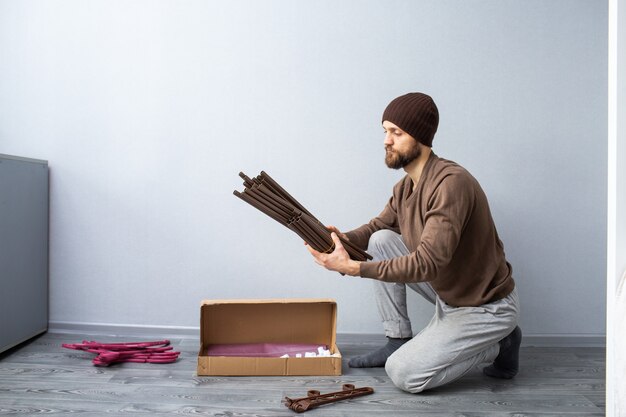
{"x":338,"y":260}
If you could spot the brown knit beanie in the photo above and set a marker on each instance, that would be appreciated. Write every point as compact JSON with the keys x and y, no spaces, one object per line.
{"x":416,"y":114}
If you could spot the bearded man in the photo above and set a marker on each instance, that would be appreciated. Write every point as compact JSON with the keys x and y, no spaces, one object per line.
{"x":437,"y":237}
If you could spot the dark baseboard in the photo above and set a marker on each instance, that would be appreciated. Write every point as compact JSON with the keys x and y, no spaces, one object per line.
{"x":180,"y":332}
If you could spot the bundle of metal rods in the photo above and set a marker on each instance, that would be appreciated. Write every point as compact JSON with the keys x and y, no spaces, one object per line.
{"x":266,"y":195}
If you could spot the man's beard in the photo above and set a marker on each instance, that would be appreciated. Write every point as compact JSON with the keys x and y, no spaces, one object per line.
{"x":397,"y":160}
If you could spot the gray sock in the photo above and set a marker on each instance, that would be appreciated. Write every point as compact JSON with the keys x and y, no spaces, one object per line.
{"x":378,"y":357}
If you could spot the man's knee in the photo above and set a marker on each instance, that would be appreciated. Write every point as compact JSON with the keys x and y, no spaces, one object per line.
{"x":403,"y":376}
{"x":380,"y":239}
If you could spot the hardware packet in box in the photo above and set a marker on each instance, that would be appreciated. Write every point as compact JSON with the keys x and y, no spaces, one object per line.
{"x":262,"y":323}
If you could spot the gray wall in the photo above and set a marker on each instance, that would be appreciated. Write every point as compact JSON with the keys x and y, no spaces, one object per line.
{"x":147,"y":110}
{"x":616,"y":224}
{"x":620,"y":156}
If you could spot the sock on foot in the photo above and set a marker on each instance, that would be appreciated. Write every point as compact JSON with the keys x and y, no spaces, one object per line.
{"x":378,"y":357}
{"x":506,"y":364}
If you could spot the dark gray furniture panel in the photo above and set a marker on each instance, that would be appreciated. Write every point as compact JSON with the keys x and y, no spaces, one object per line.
{"x":23,"y":249}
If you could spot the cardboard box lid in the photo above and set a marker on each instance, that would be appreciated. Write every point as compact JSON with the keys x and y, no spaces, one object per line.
{"x":297,"y":320}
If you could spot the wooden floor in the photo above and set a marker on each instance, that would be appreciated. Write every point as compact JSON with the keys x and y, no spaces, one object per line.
{"x":40,"y":377}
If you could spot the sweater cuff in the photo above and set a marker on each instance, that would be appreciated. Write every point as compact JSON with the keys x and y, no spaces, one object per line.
{"x":369,"y":269}
{"x":354,"y":238}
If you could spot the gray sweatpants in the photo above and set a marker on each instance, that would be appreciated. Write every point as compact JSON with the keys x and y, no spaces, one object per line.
{"x":457,"y":338}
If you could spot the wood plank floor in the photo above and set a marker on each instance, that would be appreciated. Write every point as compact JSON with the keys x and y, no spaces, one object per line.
{"x":40,"y":377}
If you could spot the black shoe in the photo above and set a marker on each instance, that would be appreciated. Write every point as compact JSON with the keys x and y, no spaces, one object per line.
{"x":506,"y":364}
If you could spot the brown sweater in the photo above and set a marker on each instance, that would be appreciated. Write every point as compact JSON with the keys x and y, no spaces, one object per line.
{"x":447,"y":226}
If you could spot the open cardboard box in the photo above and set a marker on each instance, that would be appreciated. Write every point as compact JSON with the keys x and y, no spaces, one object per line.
{"x":268,"y":321}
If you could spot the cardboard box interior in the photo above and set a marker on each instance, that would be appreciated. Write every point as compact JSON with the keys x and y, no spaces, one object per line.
{"x":268,"y":321}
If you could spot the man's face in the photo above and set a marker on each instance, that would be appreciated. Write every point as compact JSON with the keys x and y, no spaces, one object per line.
{"x":400,"y":147}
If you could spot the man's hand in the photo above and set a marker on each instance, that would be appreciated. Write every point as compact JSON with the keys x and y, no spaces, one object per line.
{"x":338,"y":260}
{"x":334,"y":229}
